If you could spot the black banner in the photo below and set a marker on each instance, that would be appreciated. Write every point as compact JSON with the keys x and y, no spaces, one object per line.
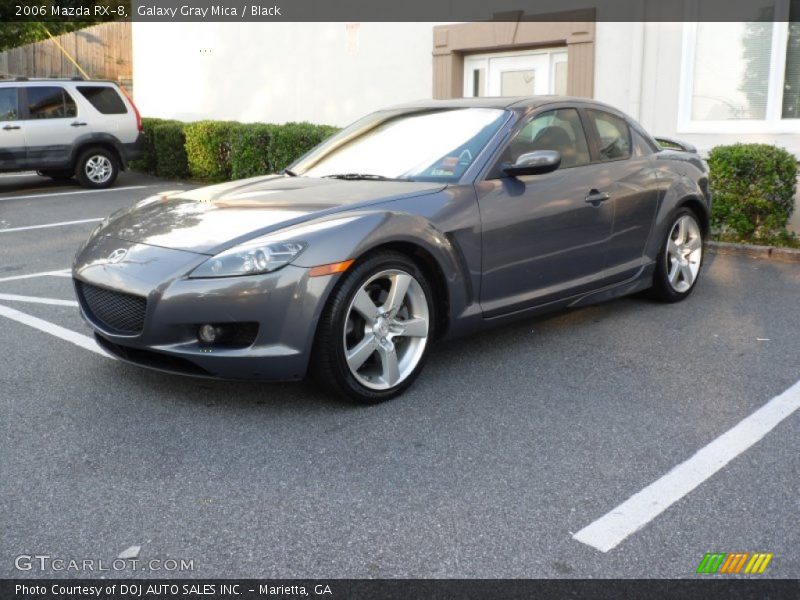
{"x":391,"y":10}
{"x":400,"y":589}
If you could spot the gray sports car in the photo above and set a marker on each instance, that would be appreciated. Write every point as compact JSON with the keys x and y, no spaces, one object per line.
{"x":419,"y":222}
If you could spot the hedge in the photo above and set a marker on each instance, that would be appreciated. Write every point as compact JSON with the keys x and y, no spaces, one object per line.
{"x":753,"y":188}
{"x":224,"y":150}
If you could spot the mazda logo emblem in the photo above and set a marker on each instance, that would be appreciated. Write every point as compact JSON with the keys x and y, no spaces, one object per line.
{"x":117,"y":255}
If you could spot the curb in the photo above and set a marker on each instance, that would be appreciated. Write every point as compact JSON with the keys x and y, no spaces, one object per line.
{"x":790,"y":255}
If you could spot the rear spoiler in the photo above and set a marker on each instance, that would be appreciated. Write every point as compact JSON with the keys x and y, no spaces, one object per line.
{"x":673,"y":144}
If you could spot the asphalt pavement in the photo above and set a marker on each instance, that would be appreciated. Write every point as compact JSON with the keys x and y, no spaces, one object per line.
{"x":508,"y":444}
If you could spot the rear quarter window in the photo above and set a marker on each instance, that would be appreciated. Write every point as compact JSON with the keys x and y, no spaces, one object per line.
{"x":105,"y":99}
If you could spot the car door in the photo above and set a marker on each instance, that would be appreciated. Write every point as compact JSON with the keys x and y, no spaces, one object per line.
{"x":51,"y":125}
{"x":12,"y":137}
{"x":545,"y":236}
{"x":629,"y":175}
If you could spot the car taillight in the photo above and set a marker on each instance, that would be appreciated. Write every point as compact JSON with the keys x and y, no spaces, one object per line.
{"x":135,"y":110}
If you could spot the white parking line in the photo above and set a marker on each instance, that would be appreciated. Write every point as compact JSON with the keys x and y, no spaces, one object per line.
{"x":106,"y":191}
{"x":47,"y":225}
{"x":62,"y":273}
{"x":644,"y":506}
{"x":37,"y":300}
{"x":84,"y":341}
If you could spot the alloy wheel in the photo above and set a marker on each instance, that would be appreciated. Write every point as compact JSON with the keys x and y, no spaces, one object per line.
{"x":98,"y":168}
{"x":386,"y":329}
{"x":684,"y":253}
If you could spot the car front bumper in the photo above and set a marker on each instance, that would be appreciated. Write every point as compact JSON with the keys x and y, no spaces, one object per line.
{"x":285,"y":304}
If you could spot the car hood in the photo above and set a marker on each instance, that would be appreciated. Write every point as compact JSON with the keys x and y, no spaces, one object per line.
{"x":209,"y":219}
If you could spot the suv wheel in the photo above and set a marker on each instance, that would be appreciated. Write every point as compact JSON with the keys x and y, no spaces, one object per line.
{"x":375,"y":330}
{"x":97,"y":168}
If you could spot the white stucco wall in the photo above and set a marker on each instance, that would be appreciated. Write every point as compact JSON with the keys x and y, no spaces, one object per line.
{"x":319,"y":72}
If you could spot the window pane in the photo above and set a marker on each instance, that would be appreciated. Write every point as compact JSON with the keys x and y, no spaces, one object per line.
{"x":105,"y":99}
{"x":8,"y":104}
{"x":517,"y":83}
{"x":559,"y":130}
{"x":731,"y":73}
{"x":50,"y":103}
{"x":791,"y":82}
{"x":615,"y":137}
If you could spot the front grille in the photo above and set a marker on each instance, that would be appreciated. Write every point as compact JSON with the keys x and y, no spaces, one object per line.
{"x":115,"y":311}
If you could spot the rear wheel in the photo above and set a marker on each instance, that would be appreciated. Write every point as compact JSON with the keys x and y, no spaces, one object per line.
{"x":680,"y":259}
{"x":375,"y":331}
{"x":97,"y":168}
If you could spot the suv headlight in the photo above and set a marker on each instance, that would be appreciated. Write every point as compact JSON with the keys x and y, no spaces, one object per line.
{"x":251,"y":258}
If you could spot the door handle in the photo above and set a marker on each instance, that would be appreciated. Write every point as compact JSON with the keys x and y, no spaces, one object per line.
{"x":77,"y":124}
{"x":595,"y":197}
{"x":10,"y":127}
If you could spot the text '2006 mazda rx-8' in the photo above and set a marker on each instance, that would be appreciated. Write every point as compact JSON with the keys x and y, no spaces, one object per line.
{"x":419,"y":222}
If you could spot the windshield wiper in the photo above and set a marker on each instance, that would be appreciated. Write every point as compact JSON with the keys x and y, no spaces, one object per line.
{"x":290,"y":173}
{"x":357,"y":176}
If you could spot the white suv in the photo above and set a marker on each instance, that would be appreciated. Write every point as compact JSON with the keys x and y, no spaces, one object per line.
{"x":66,"y":128}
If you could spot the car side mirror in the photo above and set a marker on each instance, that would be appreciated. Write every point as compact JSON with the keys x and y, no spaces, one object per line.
{"x":534,"y":163}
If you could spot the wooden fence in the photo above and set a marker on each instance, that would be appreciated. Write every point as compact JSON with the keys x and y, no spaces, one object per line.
{"x":103,"y":51}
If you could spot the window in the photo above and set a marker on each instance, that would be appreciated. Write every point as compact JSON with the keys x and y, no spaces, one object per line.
{"x":50,"y":103}
{"x":419,"y":145}
{"x":614,"y":135}
{"x":8,"y":104}
{"x":104,"y":98}
{"x":559,"y":130}
{"x":742,"y":77}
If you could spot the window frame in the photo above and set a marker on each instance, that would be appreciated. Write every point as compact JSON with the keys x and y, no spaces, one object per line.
{"x":773,"y":121}
{"x":25,"y":114}
{"x":495,"y":171}
{"x":594,"y":134}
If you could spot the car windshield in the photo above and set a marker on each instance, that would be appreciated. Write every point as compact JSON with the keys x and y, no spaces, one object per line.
{"x":424,"y":145}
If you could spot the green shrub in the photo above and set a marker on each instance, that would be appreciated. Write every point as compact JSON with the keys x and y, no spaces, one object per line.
{"x":753,"y":187}
{"x":291,"y":140}
{"x":147,"y":163}
{"x":169,"y":141}
{"x":250,"y":150}
{"x":208,"y":149}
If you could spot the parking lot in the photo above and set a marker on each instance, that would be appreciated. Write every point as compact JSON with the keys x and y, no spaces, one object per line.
{"x":508,"y":446}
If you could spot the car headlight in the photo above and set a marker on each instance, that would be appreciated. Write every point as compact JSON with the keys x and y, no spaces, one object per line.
{"x":251,"y":258}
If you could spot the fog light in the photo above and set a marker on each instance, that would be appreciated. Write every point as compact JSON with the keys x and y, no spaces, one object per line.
{"x":207,"y":334}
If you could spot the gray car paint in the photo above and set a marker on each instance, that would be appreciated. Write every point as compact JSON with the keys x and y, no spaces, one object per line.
{"x":498,"y":248}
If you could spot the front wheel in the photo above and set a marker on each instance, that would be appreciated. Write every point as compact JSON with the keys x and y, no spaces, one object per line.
{"x":375,"y":330}
{"x":680,"y":259}
{"x":97,"y":168}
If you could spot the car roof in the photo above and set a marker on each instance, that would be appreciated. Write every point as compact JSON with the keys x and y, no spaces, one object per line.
{"x":504,"y":102}
{"x":80,"y":80}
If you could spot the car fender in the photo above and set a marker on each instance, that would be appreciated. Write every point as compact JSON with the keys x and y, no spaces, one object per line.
{"x":106,"y":139}
{"x":682,"y":190}
{"x":356,"y":234}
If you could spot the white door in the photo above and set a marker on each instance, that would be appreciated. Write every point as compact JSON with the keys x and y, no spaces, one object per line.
{"x":12,"y":137}
{"x":52,"y":125}
{"x":521,"y":74}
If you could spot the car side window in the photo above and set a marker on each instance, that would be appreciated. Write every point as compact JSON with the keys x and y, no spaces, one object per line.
{"x":46,"y":102}
{"x":9,"y":110}
{"x":103,"y":98}
{"x":614,"y":134}
{"x":559,"y":130}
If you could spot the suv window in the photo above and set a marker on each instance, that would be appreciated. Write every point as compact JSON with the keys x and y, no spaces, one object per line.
{"x":104,"y":98}
{"x":615,"y":137}
{"x":50,"y":103}
{"x":8,"y":104}
{"x":559,"y":130}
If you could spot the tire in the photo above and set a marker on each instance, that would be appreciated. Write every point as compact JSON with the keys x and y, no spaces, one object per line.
{"x":680,"y":259}
{"x":57,"y":175}
{"x":97,"y":168}
{"x":403,"y":329}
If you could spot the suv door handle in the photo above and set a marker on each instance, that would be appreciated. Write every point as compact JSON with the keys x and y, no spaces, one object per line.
{"x":596,"y":197}
{"x":77,"y":124}
{"x":10,"y":127}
